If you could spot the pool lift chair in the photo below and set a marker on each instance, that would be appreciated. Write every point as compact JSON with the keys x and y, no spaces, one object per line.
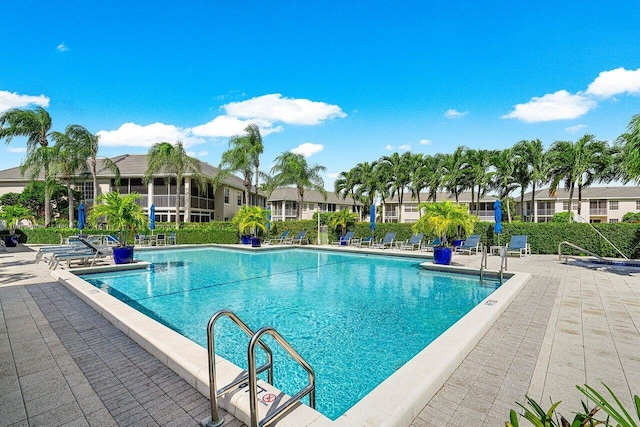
{"x":250,"y":376}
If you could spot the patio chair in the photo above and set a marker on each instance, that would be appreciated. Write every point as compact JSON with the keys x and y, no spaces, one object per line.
{"x":518,"y":245}
{"x":161,"y":239}
{"x":415,"y":242}
{"x":302,"y":236}
{"x":471,"y":243}
{"x":387,"y":241}
{"x":346,"y":239}
{"x":367,"y":241}
{"x":171,"y":240}
{"x":88,"y":256}
{"x":278,"y":240}
{"x":430,"y":245}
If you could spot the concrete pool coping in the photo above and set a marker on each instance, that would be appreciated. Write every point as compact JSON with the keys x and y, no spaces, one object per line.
{"x":394,"y":402}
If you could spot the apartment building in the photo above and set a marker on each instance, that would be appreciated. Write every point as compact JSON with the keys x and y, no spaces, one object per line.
{"x":284,"y":204}
{"x":196,"y":204}
{"x":599,"y":204}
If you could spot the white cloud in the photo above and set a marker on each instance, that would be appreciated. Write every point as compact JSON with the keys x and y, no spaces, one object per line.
{"x":614,"y":82}
{"x":226,"y":126}
{"x":133,"y":135}
{"x":9,"y":100}
{"x":575,"y":129}
{"x":454,"y":114}
{"x":553,"y":106}
{"x":275,"y":108}
{"x":333,"y":175}
{"x":202,"y":153}
{"x":388,"y":147}
{"x":405,"y":147}
{"x":17,"y":149}
{"x":308,"y":149}
{"x":62,"y":47}
{"x":425,"y":142}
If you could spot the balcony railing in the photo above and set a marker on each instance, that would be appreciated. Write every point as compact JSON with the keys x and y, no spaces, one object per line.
{"x":546,"y":212}
{"x":391,"y":214}
{"x":597,"y":211}
{"x":201,"y":203}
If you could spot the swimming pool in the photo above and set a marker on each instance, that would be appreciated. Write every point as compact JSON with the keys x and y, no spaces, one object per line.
{"x":356,"y":318}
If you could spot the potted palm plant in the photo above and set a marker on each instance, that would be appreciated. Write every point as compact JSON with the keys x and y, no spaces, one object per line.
{"x":444,"y":220}
{"x":250,"y":221}
{"x":123,"y":214}
{"x":11,"y":215}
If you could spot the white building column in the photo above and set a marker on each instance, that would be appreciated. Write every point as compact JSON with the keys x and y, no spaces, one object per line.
{"x":384,"y":212}
{"x":187,"y":199}
{"x":150,"y":190}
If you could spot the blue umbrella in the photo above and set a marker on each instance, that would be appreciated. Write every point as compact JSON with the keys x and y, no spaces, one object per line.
{"x":269,"y":218}
{"x":372,"y":218}
{"x":497,"y":216}
{"x":152,"y":217}
{"x":81,"y":216}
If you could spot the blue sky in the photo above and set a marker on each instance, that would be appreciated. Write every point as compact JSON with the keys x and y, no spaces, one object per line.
{"x":341,"y":82}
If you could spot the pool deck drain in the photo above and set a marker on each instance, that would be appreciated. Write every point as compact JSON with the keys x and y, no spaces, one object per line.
{"x":569,"y":325}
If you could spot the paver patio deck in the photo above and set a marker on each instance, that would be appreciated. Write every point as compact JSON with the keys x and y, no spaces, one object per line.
{"x":63,"y":364}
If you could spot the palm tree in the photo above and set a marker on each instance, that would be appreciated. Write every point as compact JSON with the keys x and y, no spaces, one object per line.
{"x":396,"y":169}
{"x":455,"y":171}
{"x":504,"y":179}
{"x":479,"y":162}
{"x":69,"y":159}
{"x":579,"y":164}
{"x":254,"y":140}
{"x":164,"y":157}
{"x":345,"y":185}
{"x":434,"y":180}
{"x":368,"y":184}
{"x":419,"y":175}
{"x":88,"y":143}
{"x":630,"y":140}
{"x":35,"y":125}
{"x":293,"y":169}
{"x":531,"y":168}
{"x":243,"y":156}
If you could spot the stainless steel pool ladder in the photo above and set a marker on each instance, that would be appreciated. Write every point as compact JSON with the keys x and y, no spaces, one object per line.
{"x":252,"y":376}
{"x":503,"y":262}
{"x":216,"y":420}
{"x":566,"y":257}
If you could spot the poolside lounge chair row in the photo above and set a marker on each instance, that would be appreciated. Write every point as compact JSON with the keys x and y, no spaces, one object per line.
{"x":284,"y":239}
{"x":79,"y":251}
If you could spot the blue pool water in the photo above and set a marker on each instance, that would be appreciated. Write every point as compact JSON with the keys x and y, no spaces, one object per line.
{"x":355,"y":318}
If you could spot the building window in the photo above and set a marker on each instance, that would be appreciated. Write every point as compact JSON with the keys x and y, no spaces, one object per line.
{"x":613,"y":205}
{"x":565,"y":206}
{"x":239,"y":199}
{"x":226,"y":196}
{"x":86,"y":188}
{"x":613,"y":220}
{"x":411,"y":208}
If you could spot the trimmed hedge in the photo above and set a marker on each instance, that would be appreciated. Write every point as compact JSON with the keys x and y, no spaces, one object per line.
{"x":543,"y":237}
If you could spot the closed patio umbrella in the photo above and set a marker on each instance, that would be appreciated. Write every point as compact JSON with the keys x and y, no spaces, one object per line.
{"x":372,"y":218}
{"x":81,"y":216}
{"x":152,"y":218}
{"x":497,"y":216}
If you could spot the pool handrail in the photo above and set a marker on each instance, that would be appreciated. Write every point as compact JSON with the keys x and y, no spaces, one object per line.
{"x":216,"y":420}
{"x":309,"y":389}
{"x":578,"y":248}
